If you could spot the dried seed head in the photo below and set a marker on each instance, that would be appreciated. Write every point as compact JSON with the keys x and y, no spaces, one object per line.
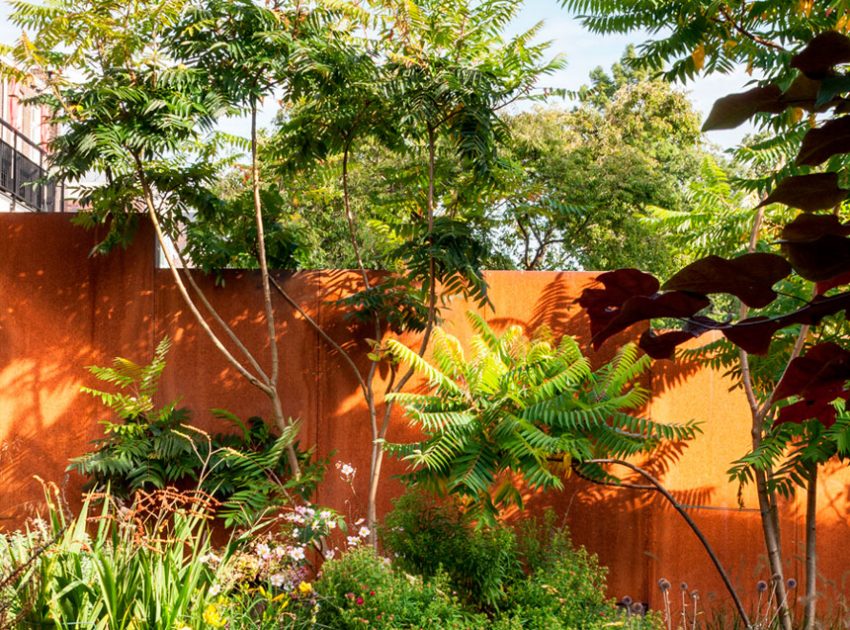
{"x":761,"y":586}
{"x":792,"y":583}
{"x":664,"y":584}
{"x":637,"y":608}
{"x":683,"y":586}
{"x":627,"y":600}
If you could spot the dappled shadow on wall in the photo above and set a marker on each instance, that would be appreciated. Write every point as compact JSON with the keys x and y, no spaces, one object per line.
{"x":61,"y":311}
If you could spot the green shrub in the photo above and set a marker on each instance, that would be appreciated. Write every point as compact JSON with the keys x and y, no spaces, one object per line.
{"x":362,"y":590}
{"x":154,"y":447}
{"x":428,"y":536}
{"x":528,"y":577}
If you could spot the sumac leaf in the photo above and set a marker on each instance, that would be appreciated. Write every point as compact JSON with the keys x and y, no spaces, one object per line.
{"x":818,"y":409}
{"x":823,"y":52}
{"x":730,"y":111}
{"x":821,"y":143}
{"x":810,"y":193}
{"x":819,"y":260}
{"x":808,"y":228}
{"x":749,"y":277}
{"x":803,"y":92}
{"x":825,"y":366}
{"x":816,"y":246}
{"x":663,"y":345}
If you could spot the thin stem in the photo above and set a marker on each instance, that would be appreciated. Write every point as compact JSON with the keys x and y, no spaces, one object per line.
{"x":766,"y":497}
{"x":696,"y":530}
{"x":432,"y":263}
{"x":810,"y":607}
{"x":349,"y":216}
{"x":758,"y":39}
{"x":321,"y":332}
{"x":218,"y":319}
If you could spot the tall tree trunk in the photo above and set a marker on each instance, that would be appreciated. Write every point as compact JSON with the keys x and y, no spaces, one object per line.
{"x":380,"y":433}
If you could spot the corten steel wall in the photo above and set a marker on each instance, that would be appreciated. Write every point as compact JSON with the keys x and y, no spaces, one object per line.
{"x":61,"y":310}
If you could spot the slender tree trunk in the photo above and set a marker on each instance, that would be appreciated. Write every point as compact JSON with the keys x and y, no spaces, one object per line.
{"x":274,"y":377}
{"x":380,"y":433}
{"x":184,"y":293}
{"x":810,"y":609}
{"x":432,"y":264}
{"x":766,"y":498}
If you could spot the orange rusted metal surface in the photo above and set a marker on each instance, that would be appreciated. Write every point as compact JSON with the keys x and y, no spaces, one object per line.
{"x":61,"y":310}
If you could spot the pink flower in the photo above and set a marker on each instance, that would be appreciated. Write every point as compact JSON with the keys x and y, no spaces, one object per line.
{"x":359,"y":601}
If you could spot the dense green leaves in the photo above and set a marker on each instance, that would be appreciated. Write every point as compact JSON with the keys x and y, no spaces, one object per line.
{"x":154,"y":448}
{"x":520,"y":405}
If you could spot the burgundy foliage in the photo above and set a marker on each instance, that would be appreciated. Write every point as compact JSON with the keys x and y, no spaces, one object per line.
{"x":818,"y":191}
{"x":815,"y":246}
{"x":750,"y":277}
{"x":817,"y":378}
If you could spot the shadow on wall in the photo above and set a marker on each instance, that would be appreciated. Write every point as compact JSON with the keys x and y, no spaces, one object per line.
{"x":61,"y":310}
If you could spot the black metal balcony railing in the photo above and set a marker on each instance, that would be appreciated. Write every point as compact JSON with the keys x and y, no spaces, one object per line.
{"x":23,"y":178}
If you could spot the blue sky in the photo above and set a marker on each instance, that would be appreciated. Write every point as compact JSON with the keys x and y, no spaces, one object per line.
{"x":584,"y":51}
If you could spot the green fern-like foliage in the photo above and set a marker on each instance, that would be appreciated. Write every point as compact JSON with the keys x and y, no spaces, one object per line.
{"x":521,"y":405}
{"x":154,"y":447}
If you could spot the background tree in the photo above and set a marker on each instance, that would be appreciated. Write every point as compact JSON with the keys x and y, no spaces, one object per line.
{"x":584,"y":179}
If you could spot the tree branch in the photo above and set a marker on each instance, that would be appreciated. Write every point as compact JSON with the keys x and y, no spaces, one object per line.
{"x":656,"y":485}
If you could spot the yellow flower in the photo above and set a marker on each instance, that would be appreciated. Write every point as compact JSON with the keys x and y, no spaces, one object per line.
{"x":184,"y":627}
{"x":305,"y":588}
{"x":213,"y":618}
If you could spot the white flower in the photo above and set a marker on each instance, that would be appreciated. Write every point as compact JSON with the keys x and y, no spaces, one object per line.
{"x":264,"y":551}
{"x":331,"y":524}
{"x":295,"y":518}
{"x":325,"y":515}
{"x":209,"y":558}
{"x":277,"y":580}
{"x":215,"y":589}
{"x":296,"y":553}
{"x":353,"y":541}
{"x":279,"y":551}
{"x":329,"y":554}
{"x":346,"y":471}
{"x":364,"y":531}
{"x":296,"y":532}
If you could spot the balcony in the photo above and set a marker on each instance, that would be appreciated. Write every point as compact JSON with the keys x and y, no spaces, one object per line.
{"x":23,"y":173}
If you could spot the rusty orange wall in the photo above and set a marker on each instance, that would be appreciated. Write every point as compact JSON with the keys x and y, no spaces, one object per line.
{"x":61,"y":310}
